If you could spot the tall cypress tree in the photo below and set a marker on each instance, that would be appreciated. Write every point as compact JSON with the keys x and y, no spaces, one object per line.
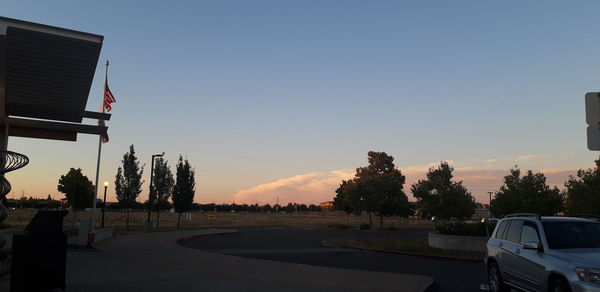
{"x":128,"y":181}
{"x":185,"y":187}
{"x":163,"y":185}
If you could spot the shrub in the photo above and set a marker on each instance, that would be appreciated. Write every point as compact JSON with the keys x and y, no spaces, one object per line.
{"x":365,"y":226}
{"x":339,"y":226}
{"x":464,"y":228}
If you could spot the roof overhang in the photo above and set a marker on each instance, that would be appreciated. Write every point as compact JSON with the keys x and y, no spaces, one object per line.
{"x":46,"y":74}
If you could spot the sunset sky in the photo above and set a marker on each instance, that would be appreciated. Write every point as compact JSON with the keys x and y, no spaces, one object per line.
{"x":285,"y":98}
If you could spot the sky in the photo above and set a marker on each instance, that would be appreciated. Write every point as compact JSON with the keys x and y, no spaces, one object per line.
{"x":283,"y":99}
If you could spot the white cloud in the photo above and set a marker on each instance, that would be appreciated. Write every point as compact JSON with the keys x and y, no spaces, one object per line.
{"x":304,"y":188}
{"x":526,"y":157}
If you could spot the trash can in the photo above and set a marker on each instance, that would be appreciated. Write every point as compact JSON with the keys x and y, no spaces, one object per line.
{"x":39,"y":254}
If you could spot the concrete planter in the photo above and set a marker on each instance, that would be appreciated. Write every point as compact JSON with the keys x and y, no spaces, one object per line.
{"x":100,"y":234}
{"x":85,"y":236}
{"x":457,"y":242}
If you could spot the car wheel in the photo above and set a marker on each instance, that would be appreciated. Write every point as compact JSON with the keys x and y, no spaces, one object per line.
{"x":495,"y":278}
{"x":558,"y":285}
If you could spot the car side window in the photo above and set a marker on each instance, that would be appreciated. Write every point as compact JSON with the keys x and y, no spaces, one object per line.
{"x":501,"y":229}
{"x":514,"y":231}
{"x":529,"y":233}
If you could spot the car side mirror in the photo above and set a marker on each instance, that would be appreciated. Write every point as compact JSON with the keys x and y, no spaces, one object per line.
{"x":531,"y":245}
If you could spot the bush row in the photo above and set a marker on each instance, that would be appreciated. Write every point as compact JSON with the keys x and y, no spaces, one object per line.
{"x":465,"y":228}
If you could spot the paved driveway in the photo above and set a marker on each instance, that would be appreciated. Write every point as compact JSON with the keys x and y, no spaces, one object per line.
{"x":155,"y":262}
{"x":304,"y":246}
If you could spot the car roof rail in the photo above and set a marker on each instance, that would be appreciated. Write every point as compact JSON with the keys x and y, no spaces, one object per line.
{"x":523,"y":215}
{"x":585,"y":216}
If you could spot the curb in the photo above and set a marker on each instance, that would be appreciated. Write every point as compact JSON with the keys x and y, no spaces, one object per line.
{"x":412,"y":254}
{"x":178,"y":241}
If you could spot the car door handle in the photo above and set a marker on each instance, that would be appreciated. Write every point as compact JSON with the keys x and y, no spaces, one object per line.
{"x":518,"y":251}
{"x":500,"y":244}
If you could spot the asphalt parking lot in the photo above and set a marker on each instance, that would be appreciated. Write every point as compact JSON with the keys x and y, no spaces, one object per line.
{"x":304,"y":246}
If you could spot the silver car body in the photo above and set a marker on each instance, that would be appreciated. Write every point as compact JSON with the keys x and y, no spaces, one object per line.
{"x":531,"y":269}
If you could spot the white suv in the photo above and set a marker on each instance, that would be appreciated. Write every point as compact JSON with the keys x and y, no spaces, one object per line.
{"x":536,"y":253}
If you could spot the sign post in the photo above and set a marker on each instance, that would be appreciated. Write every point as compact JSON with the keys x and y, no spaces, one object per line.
{"x":592,"y":117}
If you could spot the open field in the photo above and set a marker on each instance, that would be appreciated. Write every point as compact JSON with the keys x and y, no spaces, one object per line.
{"x":116,"y":219}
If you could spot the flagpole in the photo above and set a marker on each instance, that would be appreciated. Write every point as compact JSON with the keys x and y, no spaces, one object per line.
{"x":99,"y":155}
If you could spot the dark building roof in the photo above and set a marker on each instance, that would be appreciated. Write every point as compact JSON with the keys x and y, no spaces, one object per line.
{"x":49,"y":71}
{"x":46,"y":73}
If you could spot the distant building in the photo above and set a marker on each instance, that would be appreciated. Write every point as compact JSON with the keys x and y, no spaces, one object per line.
{"x":481,"y":206}
{"x":326,"y":206}
{"x":12,"y":203}
{"x":481,"y":213}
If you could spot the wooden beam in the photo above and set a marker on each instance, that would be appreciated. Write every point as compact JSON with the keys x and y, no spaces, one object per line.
{"x":42,"y":134}
{"x":96,"y":115}
{"x":55,"y":126}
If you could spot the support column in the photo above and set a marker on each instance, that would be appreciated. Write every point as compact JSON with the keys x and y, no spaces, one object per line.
{"x":3,"y":133}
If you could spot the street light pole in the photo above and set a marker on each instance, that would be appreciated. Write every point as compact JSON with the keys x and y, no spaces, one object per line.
{"x":148,"y":223}
{"x":490,"y":206}
{"x":104,"y":204}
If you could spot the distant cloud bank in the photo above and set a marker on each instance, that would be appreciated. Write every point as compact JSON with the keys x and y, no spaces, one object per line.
{"x":320,"y":187}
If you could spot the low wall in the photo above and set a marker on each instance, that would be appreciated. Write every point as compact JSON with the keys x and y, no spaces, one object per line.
{"x":100,"y":234}
{"x":457,"y":242}
{"x":85,"y":236}
{"x":9,"y":236}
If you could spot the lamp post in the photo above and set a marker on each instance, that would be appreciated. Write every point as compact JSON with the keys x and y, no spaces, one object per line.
{"x":148,"y":223}
{"x":104,"y":204}
{"x":490,"y":207}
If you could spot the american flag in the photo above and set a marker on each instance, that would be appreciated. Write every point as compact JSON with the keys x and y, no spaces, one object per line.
{"x":108,"y":97}
{"x":105,"y":134}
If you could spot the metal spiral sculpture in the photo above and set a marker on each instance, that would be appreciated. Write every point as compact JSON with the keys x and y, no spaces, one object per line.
{"x":9,"y":161}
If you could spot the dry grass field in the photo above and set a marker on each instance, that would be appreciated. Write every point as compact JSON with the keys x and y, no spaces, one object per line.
{"x":116,"y":219}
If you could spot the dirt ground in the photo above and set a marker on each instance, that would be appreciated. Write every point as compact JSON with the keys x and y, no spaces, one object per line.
{"x":116,"y":219}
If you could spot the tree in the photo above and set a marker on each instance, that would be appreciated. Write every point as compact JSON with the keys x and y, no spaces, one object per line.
{"x":344,"y":200}
{"x":583,"y":192}
{"x":386,"y":183}
{"x":267,"y":208}
{"x":377,"y":188}
{"x":78,"y":189}
{"x":163,"y":183}
{"x":529,"y":193}
{"x":290,"y":208}
{"x":128,"y":181}
{"x":314,"y":208}
{"x":185,"y":187}
{"x":440,"y":196}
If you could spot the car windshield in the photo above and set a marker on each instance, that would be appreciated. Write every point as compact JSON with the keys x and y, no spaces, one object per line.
{"x":562,"y":235}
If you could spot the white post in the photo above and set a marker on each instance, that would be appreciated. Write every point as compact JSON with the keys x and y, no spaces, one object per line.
{"x":99,"y":154}
{"x":96,"y":184}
